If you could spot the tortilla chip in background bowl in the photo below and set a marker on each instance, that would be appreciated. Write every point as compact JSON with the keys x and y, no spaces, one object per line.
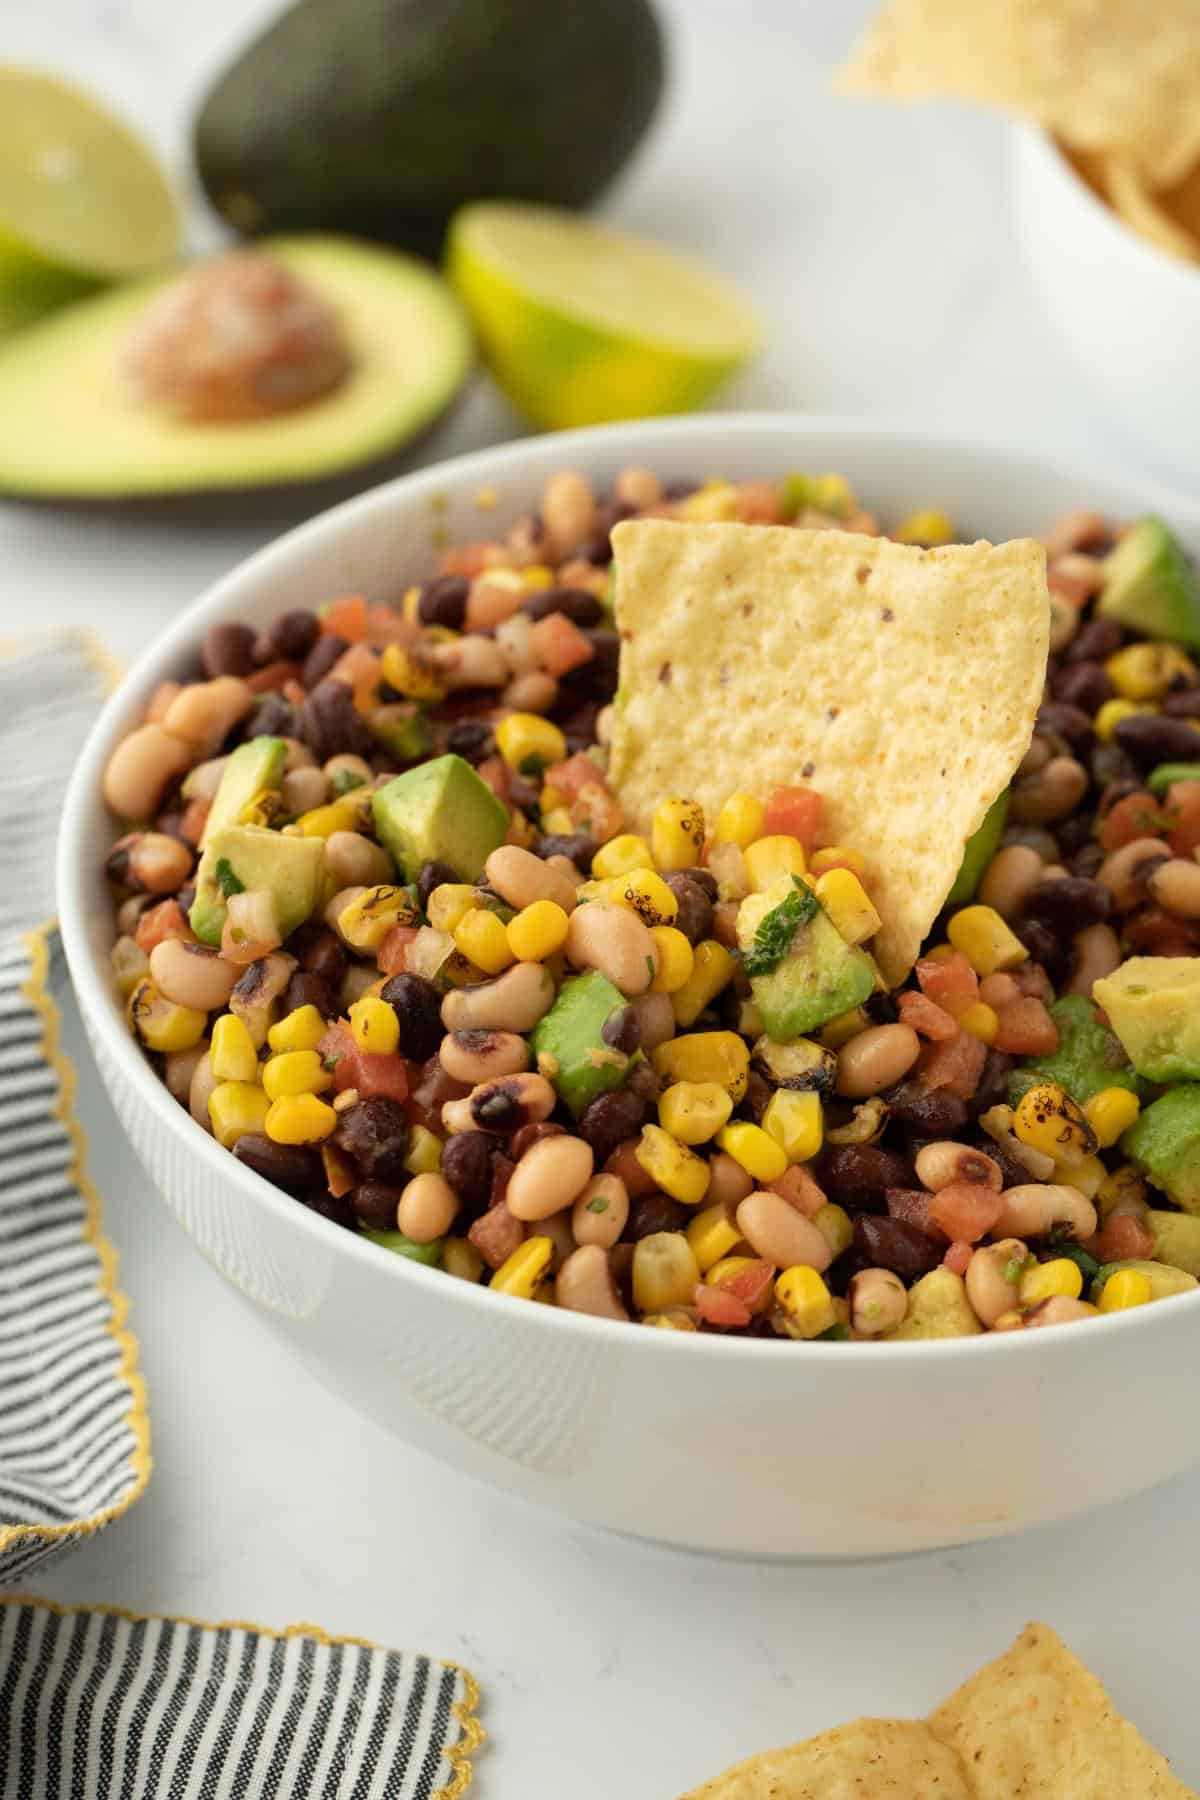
{"x":870,"y":1759}
{"x":902,"y":684}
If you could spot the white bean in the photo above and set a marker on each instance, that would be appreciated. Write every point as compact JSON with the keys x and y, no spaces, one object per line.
{"x":601,"y":1211}
{"x":776,"y":1231}
{"x":427,"y":1208}
{"x":611,"y":938}
{"x":140,"y":768}
{"x":1037,"y":1208}
{"x":548,"y":1177}
{"x":192,"y":974}
{"x":585,"y":1284}
{"x":520,"y":878}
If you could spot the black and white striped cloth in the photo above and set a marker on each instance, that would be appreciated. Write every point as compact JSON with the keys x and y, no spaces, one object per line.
{"x":98,"y":1704}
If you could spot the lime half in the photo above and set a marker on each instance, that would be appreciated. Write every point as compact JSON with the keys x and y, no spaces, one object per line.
{"x":580,"y":323}
{"x":82,"y":200}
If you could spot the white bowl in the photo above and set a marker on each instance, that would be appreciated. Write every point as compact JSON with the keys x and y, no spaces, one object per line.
{"x":1127,"y":313}
{"x":763,"y":1448}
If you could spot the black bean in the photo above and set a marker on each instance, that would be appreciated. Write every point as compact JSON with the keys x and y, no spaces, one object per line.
{"x":325,"y":652}
{"x":272,"y":717}
{"x":1070,"y":723}
{"x":654,"y":1212}
{"x":1085,"y":862}
{"x":705,"y":880}
{"x":1074,"y":833}
{"x":444,"y":601}
{"x":375,"y":1133}
{"x":1109,"y":763}
{"x":498,"y":1107}
{"x":523,"y":794}
{"x":1033,"y":837}
{"x":471,"y":739}
{"x":757,"y":1097}
{"x":289,"y":637}
{"x":432,"y":875}
{"x":575,"y":845}
{"x":1068,"y":904}
{"x":1083,"y":684}
{"x":337,"y":1208}
{"x":228,"y":649}
{"x":1184,"y":706}
{"x":598,"y":676}
{"x":894,"y":1244}
{"x":375,"y":1204}
{"x":622,"y":1031}
{"x":330,"y":723}
{"x":467,"y":1166}
{"x":992,"y":1089}
{"x":610,"y":1119}
{"x":1152,"y":738}
{"x":294,"y":1167}
{"x":925,"y":1112}
{"x":307,"y":989}
{"x":1012,"y":1170}
{"x":576,"y":722}
{"x":695,"y":915}
{"x":583,"y":609}
{"x":418,"y":1006}
{"x":858,"y":1174}
{"x":1095,"y":640}
{"x":185,"y":899}
{"x":324,"y":955}
{"x":1041,"y":943}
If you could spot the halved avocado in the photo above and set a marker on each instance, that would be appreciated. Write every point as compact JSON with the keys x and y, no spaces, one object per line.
{"x":83,"y":434}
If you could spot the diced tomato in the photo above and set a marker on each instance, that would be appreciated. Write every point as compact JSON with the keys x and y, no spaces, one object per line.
{"x":346,"y":618}
{"x":798,"y":1188}
{"x":494,"y":770}
{"x":386,"y":626}
{"x":717,"y":1306}
{"x":341,"y":1173}
{"x":559,"y":644}
{"x":911,"y":1206}
{"x":359,"y":669}
{"x":759,"y":503}
{"x":579,"y":771}
{"x":496,"y":1233}
{"x":466,"y":559}
{"x":272,"y":676}
{"x":193,"y":820}
{"x":597,"y":812}
{"x":948,"y":978}
{"x":927,"y":1018}
{"x":1136,"y":815}
{"x":158,"y":923}
{"x":386,"y":1075}
{"x":1025,"y":1028}
{"x":752,"y":1285}
{"x":429,"y":1090}
{"x":958,"y":1256}
{"x":956,"y":1064}
{"x":390,"y":954}
{"x":1183,"y":801}
{"x":339,"y":1053}
{"x":966,"y":1211}
{"x":797,"y":812}
{"x":1121,"y":1238}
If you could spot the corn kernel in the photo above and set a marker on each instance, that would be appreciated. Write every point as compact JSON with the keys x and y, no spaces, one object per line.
{"x":677,"y":834}
{"x":1110,"y":714}
{"x":848,"y":904}
{"x":365,"y":922}
{"x":739,"y":821}
{"x":712,"y":1236}
{"x":676,"y":1320}
{"x":795,"y":1120}
{"x":301,"y":1029}
{"x":424,"y":1154}
{"x":674,"y":1168}
{"x":557,"y":820}
{"x":1123,"y":1289}
{"x":1124,"y":1185}
{"x":938,"y":953}
{"x":647,"y":894}
{"x":705,"y":1056}
{"x":1147,"y":671}
{"x":483,"y":940}
{"x":1043,"y":1281}
{"x":620,"y":855}
{"x":712,"y":970}
{"x":299,"y":1119}
{"x":694,"y":1111}
{"x":374,"y":1026}
{"x":768,"y":859}
{"x":350,"y":813}
{"x":839,"y":1031}
{"x":232,"y":1055}
{"x":928,"y":525}
{"x":981,"y":1020}
{"x":1047,"y":1119}
{"x":665,"y":1272}
{"x":265,"y":808}
{"x":450,"y":902}
{"x":1110,"y":1112}
{"x":162,"y":1024}
{"x":236,"y":1108}
{"x":755,"y":1149}
{"x":837,"y":856}
{"x":523,"y":1270}
{"x":675,"y":959}
{"x":536,"y":578}
{"x":461,"y":1258}
{"x":1086,"y":1176}
{"x":537,"y":931}
{"x":715,"y":501}
{"x":805,"y":1302}
{"x":295,"y":1072}
{"x":529,"y":743}
{"x":749,"y":1019}
{"x":835,"y":1226}
{"x":985,"y":940}
{"x":416,"y":677}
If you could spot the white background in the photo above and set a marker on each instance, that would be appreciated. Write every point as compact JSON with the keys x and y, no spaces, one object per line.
{"x":878,"y":247}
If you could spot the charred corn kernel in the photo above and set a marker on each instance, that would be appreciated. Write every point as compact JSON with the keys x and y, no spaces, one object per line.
{"x":374,"y":1026}
{"x":740,"y":820}
{"x":411,"y":675}
{"x":694,"y":1111}
{"x":299,"y":1119}
{"x":755,"y":1149}
{"x":795,"y":1120}
{"x":674,"y":1168}
{"x":236,"y":1108}
{"x":620,"y":855}
{"x":835,"y":1226}
{"x":675,"y":959}
{"x":301,"y":1029}
{"x":769,"y":858}
{"x":647,"y":894}
{"x":981,"y":1020}
{"x":848,"y":904}
{"x":529,"y":743}
{"x":1125,"y":1288}
{"x":705,"y":1056}
{"x":1047,"y":1119}
{"x":822,"y":861}
{"x":366,"y":921}
{"x":449,"y":903}
{"x":805,"y":1302}
{"x":711,"y":1236}
{"x":1110,"y":1112}
{"x":677,"y":834}
{"x":265,"y":808}
{"x":1109,"y":716}
{"x":715,"y":501}
{"x":928,"y":525}
{"x":1125,"y":1185}
{"x":1042,"y":1281}
{"x":1147,"y":671}
{"x":424,"y":1156}
{"x":1086,"y":1175}
{"x":839,"y":1031}
{"x":712,"y":970}
{"x":483,"y":940}
{"x":665,"y":1272}
{"x":160,"y":1023}
{"x":985,"y":940}
{"x":537,"y":931}
{"x":232,"y":1054}
{"x":523,"y":1270}
{"x":295,"y":1072}
{"x":346,"y":814}
{"x":461,"y":1258}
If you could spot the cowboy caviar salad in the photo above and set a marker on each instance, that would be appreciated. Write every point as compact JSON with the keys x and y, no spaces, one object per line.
{"x":385,"y":930}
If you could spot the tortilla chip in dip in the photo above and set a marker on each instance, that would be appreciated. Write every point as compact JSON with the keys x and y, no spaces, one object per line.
{"x":901,"y":684}
{"x":871,"y":1759}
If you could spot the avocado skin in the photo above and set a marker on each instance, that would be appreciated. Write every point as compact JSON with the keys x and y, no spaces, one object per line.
{"x":381,"y":117}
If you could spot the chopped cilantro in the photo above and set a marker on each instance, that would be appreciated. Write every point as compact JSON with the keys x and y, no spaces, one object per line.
{"x":1012,"y":1270}
{"x":598,"y":1205}
{"x":773,"y":939}
{"x":227,"y":881}
{"x":344,"y":780}
{"x":834,"y":1334}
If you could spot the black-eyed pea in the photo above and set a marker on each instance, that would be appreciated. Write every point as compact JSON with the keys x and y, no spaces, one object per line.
{"x":303,"y":790}
{"x":345,"y":769}
{"x":200,"y":1090}
{"x":1059,"y":1309}
{"x":205,"y":712}
{"x":611,"y":938}
{"x":943,"y":1162}
{"x":568,"y":512}
{"x":502,"y":1106}
{"x":150,"y":862}
{"x":875,"y":1059}
{"x":427,"y":1208}
{"x":477,"y":1056}
{"x":356,"y":861}
{"x":993,"y":1279}
{"x":1037,"y":1208}
{"x":1009,"y":879}
{"x":471,"y":661}
{"x":558,"y":1229}
{"x":1126,"y":872}
{"x":777,"y":1232}
{"x":534,"y":692}
{"x":549,"y":1177}
{"x":520,"y":878}
{"x":878,"y":1302}
{"x":1097,"y":954}
{"x":192,"y":974}
{"x":1176,"y":887}
{"x":655,"y":1020}
{"x":514,"y":1001}
{"x":585,"y":1284}
{"x":140,"y":769}
{"x":1049,"y":795}
{"x":600,"y":1212}
{"x":728,"y":1182}
{"x":638,"y":487}
{"x":179,"y":1066}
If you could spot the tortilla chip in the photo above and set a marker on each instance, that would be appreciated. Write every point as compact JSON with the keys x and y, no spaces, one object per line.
{"x":1104,"y":74}
{"x":902,"y":684}
{"x":1038,"y":1724}
{"x":872,"y":1759}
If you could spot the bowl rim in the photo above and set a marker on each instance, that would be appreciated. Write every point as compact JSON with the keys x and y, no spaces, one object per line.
{"x":93,"y":991}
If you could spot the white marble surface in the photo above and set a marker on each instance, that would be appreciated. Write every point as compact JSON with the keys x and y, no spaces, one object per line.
{"x":879,"y":249}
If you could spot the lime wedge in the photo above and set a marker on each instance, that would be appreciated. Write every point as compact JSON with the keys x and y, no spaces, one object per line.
{"x":82,"y":200}
{"x":579,"y":323}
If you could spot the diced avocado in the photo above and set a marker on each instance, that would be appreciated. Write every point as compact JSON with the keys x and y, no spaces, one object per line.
{"x":1089,"y":1057}
{"x":1165,"y":1144}
{"x":1176,"y":1239}
{"x":441,"y":811}
{"x":1151,"y":586}
{"x":978,"y":852}
{"x":241,"y":858}
{"x":399,"y":1245}
{"x":403,"y":730}
{"x":937,"y":1308}
{"x":252,"y":767}
{"x":1167,"y":774}
{"x":571,"y":1036}
{"x":1154,"y":1005}
{"x":802,"y":971}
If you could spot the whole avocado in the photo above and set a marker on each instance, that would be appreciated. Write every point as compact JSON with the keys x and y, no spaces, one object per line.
{"x":381,"y":117}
